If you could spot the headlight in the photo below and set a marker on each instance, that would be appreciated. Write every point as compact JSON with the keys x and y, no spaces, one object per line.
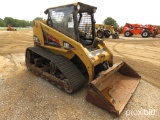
{"x":78,"y":7}
{"x":35,"y":39}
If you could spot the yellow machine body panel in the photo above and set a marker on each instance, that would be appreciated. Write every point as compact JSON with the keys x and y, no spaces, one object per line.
{"x":89,"y":59}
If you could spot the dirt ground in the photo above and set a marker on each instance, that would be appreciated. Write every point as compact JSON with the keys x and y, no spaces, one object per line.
{"x":26,"y":96}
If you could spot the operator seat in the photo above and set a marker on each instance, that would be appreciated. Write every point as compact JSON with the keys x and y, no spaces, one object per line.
{"x":83,"y":38}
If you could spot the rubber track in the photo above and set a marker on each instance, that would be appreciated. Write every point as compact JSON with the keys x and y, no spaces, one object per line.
{"x":70,"y":71}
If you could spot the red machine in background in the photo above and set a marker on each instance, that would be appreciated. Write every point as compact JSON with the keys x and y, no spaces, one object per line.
{"x":144,"y":30}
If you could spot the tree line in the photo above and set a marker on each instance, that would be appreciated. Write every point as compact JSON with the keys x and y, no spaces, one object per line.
{"x":23,"y":23}
{"x":14,"y":22}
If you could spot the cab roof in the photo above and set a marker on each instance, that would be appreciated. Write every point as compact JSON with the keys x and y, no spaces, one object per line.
{"x":83,"y":7}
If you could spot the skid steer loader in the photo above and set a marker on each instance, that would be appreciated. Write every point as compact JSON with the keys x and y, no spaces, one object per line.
{"x":67,"y":53}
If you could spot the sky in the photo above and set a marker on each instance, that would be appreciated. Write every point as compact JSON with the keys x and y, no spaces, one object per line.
{"x":123,"y":11}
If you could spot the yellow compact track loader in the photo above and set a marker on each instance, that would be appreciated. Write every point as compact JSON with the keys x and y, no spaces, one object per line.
{"x":67,"y":53}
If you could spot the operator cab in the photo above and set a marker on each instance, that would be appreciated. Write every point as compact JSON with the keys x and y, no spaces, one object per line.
{"x":74,"y":20}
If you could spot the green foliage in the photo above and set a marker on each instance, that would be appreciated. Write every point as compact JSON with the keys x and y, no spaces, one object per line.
{"x":110,"y":21}
{"x":39,"y":18}
{"x":2,"y":23}
{"x":14,"y":22}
